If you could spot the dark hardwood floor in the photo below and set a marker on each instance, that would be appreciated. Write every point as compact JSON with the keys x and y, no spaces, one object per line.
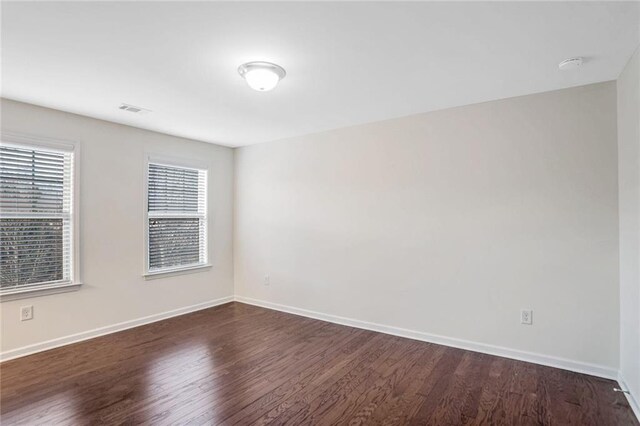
{"x":239,"y":364}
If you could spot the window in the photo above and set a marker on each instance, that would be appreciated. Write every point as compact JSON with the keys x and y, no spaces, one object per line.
{"x":176,"y":218}
{"x":37,"y":243}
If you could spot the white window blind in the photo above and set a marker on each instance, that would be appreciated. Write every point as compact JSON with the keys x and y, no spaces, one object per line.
{"x":36,"y":223}
{"x":176,"y":217}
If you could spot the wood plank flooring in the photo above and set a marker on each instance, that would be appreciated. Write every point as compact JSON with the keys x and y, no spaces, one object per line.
{"x":240,"y":364}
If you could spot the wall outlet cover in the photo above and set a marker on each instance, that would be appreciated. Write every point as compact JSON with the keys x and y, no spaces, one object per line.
{"x":526,"y":316}
{"x":26,"y":313}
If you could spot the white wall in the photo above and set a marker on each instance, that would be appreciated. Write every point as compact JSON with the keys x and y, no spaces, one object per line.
{"x":111,"y":212}
{"x":447,"y":222}
{"x":629,"y":182}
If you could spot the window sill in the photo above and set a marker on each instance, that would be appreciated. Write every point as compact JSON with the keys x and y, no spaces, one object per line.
{"x":172,"y":272}
{"x":36,"y":291}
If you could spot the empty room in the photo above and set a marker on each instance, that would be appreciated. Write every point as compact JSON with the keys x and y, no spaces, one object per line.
{"x":320,"y":213}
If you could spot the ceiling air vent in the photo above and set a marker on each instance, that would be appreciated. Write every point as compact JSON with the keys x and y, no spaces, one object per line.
{"x":134,"y":109}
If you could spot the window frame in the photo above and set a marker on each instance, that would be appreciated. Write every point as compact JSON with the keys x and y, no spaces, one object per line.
{"x":25,"y":141}
{"x":184,"y":163}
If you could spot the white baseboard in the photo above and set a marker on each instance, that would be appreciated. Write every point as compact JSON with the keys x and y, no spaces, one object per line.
{"x":90,"y":334}
{"x":634,"y":402}
{"x":551,"y":361}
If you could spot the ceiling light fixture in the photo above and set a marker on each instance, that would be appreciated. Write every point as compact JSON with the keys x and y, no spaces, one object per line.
{"x":570,"y":64}
{"x":261,"y":76}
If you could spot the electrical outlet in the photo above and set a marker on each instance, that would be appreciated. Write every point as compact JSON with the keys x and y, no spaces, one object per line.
{"x":526,"y":316}
{"x":26,"y":313}
{"x":267,"y":280}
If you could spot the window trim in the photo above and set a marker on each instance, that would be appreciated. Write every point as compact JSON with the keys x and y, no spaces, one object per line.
{"x":21,"y":140}
{"x":186,"y":163}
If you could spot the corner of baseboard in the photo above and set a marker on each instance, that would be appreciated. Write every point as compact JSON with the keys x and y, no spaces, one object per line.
{"x":633,"y":400}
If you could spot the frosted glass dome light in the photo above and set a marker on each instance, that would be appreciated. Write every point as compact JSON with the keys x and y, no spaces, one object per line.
{"x":261,"y":76}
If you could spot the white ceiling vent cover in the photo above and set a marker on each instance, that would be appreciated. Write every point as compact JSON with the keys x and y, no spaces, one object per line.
{"x":134,"y":109}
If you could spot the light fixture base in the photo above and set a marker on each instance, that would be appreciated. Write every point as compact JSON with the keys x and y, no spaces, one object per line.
{"x":570,"y":64}
{"x":245,"y":68}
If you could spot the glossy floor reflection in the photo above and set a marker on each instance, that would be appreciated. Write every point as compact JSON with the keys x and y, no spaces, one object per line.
{"x":239,"y":364}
